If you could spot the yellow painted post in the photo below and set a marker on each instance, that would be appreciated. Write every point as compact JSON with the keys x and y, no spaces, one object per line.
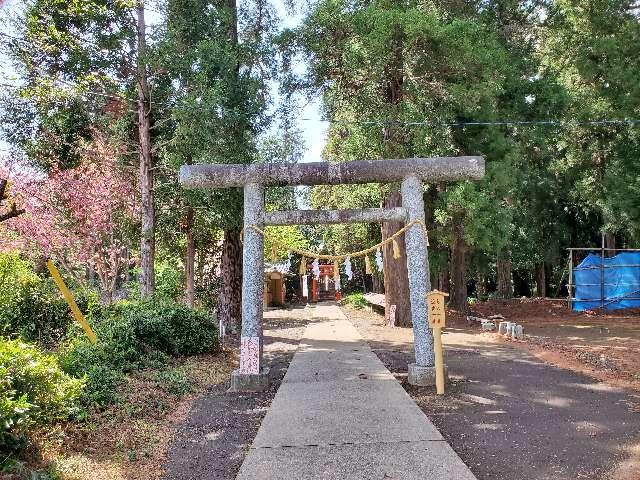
{"x":66,"y":293}
{"x":435,"y":303}
{"x":437,"y":345}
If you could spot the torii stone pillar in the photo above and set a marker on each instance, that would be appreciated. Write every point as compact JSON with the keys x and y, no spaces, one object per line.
{"x":422,"y":372}
{"x":252,"y":374}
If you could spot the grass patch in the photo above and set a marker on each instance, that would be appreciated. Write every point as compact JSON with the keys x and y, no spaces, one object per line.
{"x":355,"y":300}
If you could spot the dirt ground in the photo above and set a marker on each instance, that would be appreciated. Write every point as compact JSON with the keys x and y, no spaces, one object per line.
{"x":510,"y":415}
{"x":213,"y":440}
{"x":128,"y":440}
{"x":570,"y":425}
{"x":604,"y":346}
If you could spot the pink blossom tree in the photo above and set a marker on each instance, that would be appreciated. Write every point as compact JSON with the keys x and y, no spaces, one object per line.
{"x":78,"y":216}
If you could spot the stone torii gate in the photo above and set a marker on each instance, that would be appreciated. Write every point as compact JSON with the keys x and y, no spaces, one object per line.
{"x":252,"y":375}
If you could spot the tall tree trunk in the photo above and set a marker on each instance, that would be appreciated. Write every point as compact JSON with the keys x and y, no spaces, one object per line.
{"x":440,"y":279}
{"x":147,"y":211}
{"x":609,"y":242}
{"x":376,"y":285}
{"x":503,"y":270}
{"x":541,"y":280}
{"x":458,"y":297}
{"x":396,"y":280}
{"x":230,"y":299}
{"x":12,"y":211}
{"x":190,"y":256}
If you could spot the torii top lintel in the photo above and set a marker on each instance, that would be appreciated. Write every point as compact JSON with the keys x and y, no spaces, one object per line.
{"x":324,"y":173}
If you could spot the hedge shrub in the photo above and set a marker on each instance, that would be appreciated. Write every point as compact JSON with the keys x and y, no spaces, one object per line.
{"x":30,"y":305}
{"x":33,"y":391}
{"x":133,"y":335}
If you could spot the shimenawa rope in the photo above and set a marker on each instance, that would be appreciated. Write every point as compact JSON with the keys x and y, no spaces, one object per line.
{"x":360,"y":253}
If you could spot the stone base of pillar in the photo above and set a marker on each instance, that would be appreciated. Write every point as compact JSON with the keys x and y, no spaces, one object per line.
{"x":424,"y":376}
{"x":243,"y":382}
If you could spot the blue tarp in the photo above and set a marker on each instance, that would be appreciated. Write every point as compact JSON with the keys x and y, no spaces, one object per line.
{"x":621,"y":282}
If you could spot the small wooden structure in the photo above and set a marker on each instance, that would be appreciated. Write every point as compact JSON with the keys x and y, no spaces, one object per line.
{"x":275,"y":290}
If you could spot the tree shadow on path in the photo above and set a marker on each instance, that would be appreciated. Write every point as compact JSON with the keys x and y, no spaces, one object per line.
{"x":510,"y":416}
{"x":213,"y":441}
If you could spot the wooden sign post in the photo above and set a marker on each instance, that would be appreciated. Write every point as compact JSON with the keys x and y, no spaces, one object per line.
{"x":435,"y":305}
{"x":66,"y":293}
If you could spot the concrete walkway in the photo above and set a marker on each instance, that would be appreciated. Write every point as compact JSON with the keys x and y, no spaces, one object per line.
{"x":340,"y":414}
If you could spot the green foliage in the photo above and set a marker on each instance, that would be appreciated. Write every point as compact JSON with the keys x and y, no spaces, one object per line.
{"x":33,"y":391}
{"x":356,"y":300}
{"x":31,"y":307}
{"x":288,"y":236}
{"x":134,"y":335}
{"x":347,"y":237}
{"x":169,"y":281}
{"x":593,"y":47}
{"x":174,"y":380}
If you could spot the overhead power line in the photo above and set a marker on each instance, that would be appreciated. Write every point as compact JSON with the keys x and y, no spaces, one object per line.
{"x":432,"y":123}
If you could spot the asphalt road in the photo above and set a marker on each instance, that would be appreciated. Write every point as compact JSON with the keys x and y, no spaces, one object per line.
{"x":510,"y":416}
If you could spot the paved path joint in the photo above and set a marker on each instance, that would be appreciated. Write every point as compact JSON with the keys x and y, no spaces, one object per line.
{"x":340,"y":414}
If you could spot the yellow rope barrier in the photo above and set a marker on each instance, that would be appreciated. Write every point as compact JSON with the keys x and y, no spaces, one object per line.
{"x":360,"y":253}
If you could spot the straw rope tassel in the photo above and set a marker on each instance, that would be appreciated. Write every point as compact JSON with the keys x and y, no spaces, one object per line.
{"x":360,"y":253}
{"x":336,"y":269}
{"x":367,"y":265}
{"x":396,"y":249}
{"x":303,"y":266}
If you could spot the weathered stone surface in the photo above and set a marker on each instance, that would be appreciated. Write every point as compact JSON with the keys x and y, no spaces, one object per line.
{"x":503,"y":327}
{"x":312,"y":217}
{"x":508,"y":328}
{"x":517,"y":332}
{"x":418,"y":271}
{"x":423,"y":376}
{"x":324,"y":173}
{"x":252,"y":269}
{"x":241,"y":382}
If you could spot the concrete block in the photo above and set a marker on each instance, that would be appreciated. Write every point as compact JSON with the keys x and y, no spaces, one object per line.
{"x":517,"y":332}
{"x":502,"y":327}
{"x":424,"y":376}
{"x":422,"y":460}
{"x":242,"y":382}
{"x":488,"y":326}
{"x":509,"y":327}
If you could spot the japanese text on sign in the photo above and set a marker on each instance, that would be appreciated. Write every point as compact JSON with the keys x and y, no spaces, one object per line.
{"x":435,"y":305}
{"x":250,"y":355}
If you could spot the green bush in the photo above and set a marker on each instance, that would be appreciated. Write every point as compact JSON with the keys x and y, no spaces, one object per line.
{"x":356,"y":300}
{"x":31,"y":306}
{"x":33,"y":391}
{"x":134,"y":335}
{"x":171,"y":328}
{"x":169,"y":282}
